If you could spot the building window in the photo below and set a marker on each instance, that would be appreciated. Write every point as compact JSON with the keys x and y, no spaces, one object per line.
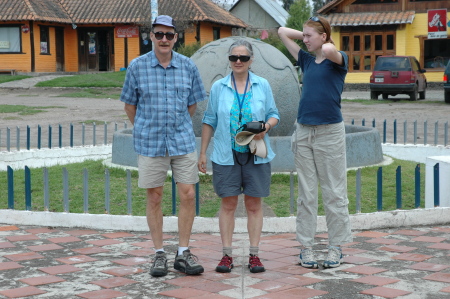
{"x":436,"y":53}
{"x":10,"y":39}
{"x":44,"y":39}
{"x":216,"y":33}
{"x":363,"y":48}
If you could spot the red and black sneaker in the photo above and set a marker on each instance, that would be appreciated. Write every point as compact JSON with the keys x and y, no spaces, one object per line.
{"x":225,"y":265}
{"x":255,"y":265}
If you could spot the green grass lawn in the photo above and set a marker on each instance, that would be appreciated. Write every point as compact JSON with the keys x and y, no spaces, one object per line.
{"x":9,"y":78}
{"x":111,"y":79}
{"x":279,"y":200}
{"x":24,"y":110}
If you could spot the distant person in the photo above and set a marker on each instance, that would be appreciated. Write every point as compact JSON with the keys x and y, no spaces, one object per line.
{"x":161,"y":92}
{"x":237,"y":99}
{"x":320,"y":150}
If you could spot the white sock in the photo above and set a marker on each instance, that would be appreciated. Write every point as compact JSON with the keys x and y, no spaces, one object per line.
{"x":162,"y":249}
{"x":181,"y":249}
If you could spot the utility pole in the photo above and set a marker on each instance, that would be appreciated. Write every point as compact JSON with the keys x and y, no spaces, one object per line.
{"x":154,"y":13}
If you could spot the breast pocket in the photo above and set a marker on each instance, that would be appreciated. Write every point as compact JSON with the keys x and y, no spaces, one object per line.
{"x":182,"y":99}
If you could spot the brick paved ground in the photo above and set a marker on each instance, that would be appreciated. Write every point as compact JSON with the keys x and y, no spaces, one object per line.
{"x":45,"y":262}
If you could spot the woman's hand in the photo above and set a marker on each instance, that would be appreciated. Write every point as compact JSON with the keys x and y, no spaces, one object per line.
{"x":202,"y":163}
{"x":260,"y":135}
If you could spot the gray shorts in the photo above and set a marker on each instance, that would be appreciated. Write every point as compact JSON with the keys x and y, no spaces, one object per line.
{"x":153,"y":170}
{"x":251,"y":179}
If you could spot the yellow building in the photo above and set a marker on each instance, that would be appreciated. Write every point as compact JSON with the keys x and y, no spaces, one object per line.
{"x":366,"y":29}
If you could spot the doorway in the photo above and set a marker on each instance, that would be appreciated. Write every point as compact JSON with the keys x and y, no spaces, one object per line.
{"x":96,"y":50}
{"x":59,"y":39}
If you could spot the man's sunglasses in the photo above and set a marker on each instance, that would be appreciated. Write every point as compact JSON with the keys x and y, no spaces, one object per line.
{"x":316,"y":19}
{"x":160,"y":35}
{"x":242,"y":58}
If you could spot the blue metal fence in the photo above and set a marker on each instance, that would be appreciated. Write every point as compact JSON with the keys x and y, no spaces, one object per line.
{"x":11,"y":183}
{"x":81,"y":135}
{"x":443,"y":133}
{"x":90,"y":134}
{"x":86,"y":131}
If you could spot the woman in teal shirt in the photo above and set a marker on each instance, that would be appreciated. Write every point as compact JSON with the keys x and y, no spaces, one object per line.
{"x":235,"y":100}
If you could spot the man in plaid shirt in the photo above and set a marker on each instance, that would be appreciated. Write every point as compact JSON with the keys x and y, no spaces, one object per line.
{"x":160,"y":92}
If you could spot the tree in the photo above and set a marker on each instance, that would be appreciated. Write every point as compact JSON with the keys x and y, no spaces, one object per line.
{"x":299,"y":13}
{"x":318,"y":4}
{"x":287,"y":4}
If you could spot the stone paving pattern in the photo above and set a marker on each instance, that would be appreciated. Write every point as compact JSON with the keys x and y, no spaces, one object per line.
{"x":46,"y":262}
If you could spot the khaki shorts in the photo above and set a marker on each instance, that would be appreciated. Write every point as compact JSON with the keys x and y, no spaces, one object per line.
{"x":153,"y":170}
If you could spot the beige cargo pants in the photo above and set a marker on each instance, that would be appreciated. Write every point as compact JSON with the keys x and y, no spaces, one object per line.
{"x":319,"y":153}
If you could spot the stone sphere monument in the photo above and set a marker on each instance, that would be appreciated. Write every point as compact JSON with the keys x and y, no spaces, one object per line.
{"x":268,"y":62}
{"x":363,"y":144}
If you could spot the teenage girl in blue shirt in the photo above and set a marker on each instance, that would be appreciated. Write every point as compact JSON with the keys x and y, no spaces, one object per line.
{"x":320,"y":150}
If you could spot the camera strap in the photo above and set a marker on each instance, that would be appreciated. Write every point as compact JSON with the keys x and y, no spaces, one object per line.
{"x":237,"y":160}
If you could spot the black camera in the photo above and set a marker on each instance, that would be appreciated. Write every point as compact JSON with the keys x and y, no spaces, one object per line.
{"x":255,"y":127}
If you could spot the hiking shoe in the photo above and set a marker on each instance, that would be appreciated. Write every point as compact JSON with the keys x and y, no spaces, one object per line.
{"x":187,"y":263}
{"x":308,"y":258}
{"x":225,"y":265}
{"x":254,"y":264}
{"x":334,"y":258}
{"x":159,"y":266}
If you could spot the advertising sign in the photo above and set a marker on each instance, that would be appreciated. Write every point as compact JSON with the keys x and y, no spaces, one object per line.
{"x":4,"y":44}
{"x":127,"y":31}
{"x":437,"y":23}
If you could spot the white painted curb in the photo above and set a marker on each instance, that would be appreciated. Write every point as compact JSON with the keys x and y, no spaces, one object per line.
{"x":369,"y":221}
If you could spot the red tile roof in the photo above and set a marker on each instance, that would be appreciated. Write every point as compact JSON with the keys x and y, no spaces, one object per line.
{"x":107,"y":11}
{"x":76,"y":11}
{"x":29,"y":10}
{"x":113,"y":11}
{"x":371,"y":18}
{"x":199,"y":11}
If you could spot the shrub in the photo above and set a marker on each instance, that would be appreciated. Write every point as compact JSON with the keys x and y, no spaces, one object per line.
{"x":189,"y":50}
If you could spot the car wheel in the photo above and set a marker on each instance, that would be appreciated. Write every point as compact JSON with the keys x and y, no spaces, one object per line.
{"x":373,"y":95}
{"x":413,"y":95}
{"x":447,"y":97}
{"x":385,"y":96}
{"x":422,"y":95}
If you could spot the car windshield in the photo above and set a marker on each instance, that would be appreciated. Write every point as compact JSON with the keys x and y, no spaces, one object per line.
{"x":392,"y":64}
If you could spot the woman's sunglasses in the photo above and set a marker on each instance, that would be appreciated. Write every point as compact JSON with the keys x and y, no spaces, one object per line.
{"x":316,"y":19}
{"x":242,"y":58}
{"x":160,"y":35}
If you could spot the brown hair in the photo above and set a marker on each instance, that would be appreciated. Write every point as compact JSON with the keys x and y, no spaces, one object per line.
{"x":321,"y":25}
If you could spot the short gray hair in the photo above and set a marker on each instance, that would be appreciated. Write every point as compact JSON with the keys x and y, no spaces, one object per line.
{"x":239,"y":43}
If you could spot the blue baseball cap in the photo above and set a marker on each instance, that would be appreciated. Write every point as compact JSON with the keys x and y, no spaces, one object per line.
{"x":164,"y":20}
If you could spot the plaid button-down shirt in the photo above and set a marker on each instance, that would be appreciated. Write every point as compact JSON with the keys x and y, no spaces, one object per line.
{"x":162,"y":95}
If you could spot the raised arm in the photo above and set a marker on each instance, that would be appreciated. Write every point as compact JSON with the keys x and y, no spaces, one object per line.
{"x":287,"y":36}
{"x":330,"y":52}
